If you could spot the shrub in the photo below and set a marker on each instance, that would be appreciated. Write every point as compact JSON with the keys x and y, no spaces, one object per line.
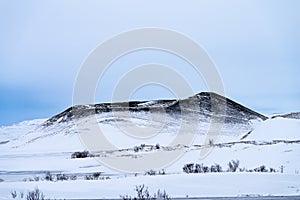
{"x":142,"y":193}
{"x":58,"y":177}
{"x":205,"y":169}
{"x":21,"y":195}
{"x":61,"y":177}
{"x":233,"y":165}
{"x":136,"y":149}
{"x":161,"y":195}
{"x":88,"y":177}
{"x":261,"y":169}
{"x":96,"y":175}
{"x":243,"y":169}
{"x":151,"y":172}
{"x":32,"y":195}
{"x":162,"y":172}
{"x":188,"y":168}
{"x":73,"y":177}
{"x":272,"y":169}
{"x":13,"y":194}
{"x":157,"y":146}
{"x":48,"y":176}
{"x":198,"y":168}
{"x":216,"y":168}
{"x":35,"y":195}
{"x":78,"y":154}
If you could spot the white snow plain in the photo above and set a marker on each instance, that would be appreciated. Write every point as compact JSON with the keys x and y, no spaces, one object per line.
{"x":28,"y":151}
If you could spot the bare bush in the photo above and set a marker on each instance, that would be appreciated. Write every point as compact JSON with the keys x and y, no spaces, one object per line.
{"x":13,"y":194}
{"x":216,"y":168}
{"x":198,"y":168}
{"x":142,"y":193}
{"x":35,"y":195}
{"x":61,"y":177}
{"x":21,"y":195}
{"x":137,"y":149}
{"x":157,"y":146}
{"x":96,"y":175}
{"x":49,"y":176}
{"x":151,"y":172}
{"x":161,"y":195}
{"x":261,"y":169}
{"x":78,"y":154}
{"x":272,"y":169}
{"x":233,"y":165}
{"x":243,"y":169}
{"x":188,"y":168}
{"x":89,"y":177}
{"x":205,"y":169}
{"x":162,"y":172}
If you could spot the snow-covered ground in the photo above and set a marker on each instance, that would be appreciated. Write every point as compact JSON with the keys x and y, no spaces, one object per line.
{"x":28,"y":151}
{"x":178,"y":185}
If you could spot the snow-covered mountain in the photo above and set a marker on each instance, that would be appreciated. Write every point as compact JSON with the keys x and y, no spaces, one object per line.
{"x":32,"y":148}
{"x":204,"y":105}
{"x":199,"y":112}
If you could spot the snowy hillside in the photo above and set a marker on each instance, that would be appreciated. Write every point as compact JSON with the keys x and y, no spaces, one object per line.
{"x":267,"y":151}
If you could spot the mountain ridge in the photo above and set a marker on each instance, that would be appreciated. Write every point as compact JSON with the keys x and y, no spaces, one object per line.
{"x":234,"y":112}
{"x":293,"y":115}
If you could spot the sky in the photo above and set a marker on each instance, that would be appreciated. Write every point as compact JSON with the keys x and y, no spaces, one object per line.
{"x":254,"y":44}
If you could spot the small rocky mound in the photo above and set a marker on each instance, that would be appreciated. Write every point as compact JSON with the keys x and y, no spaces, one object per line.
{"x":294,"y":115}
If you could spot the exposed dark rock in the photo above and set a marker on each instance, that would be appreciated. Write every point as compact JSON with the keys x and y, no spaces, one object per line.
{"x":294,"y":115}
{"x":205,"y":105}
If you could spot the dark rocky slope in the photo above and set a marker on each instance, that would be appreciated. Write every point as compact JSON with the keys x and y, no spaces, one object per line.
{"x":294,"y":115}
{"x":205,"y":106}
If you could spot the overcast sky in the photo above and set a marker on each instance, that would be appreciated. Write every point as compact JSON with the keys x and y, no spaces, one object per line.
{"x":254,"y":44}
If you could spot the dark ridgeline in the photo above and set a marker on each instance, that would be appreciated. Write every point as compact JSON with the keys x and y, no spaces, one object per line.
{"x":294,"y":115}
{"x":206,"y":104}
